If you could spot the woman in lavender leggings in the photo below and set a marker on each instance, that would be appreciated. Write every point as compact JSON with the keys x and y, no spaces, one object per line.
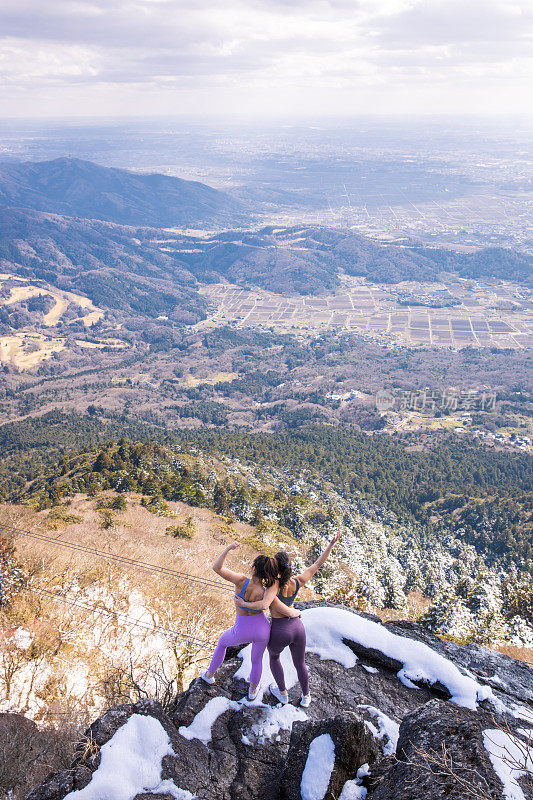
{"x":288,"y":631}
{"x":251,"y":625}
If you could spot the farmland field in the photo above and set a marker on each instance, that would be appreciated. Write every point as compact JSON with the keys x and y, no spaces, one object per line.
{"x":375,"y":310}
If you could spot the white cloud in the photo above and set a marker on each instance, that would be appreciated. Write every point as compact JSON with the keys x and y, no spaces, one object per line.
{"x":306,"y":56}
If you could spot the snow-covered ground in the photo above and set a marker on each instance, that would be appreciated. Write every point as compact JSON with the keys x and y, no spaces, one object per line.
{"x":326,"y":630}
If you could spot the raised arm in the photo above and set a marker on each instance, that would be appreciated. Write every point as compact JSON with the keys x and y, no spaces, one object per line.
{"x":224,"y":572}
{"x":308,"y":573}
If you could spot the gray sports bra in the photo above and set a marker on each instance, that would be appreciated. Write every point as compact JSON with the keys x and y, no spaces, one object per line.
{"x":289,"y":601}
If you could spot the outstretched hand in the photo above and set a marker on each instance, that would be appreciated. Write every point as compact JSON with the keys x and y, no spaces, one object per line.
{"x":232,"y":546}
{"x":336,"y":538}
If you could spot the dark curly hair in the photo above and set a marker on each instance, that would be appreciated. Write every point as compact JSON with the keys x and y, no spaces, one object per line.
{"x":267,"y":570}
{"x":284,"y":567}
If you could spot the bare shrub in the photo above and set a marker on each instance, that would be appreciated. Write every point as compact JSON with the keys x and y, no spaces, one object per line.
{"x":469,"y":780}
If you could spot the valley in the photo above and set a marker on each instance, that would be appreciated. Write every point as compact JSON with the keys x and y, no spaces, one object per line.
{"x":394,"y":316}
{"x":182,"y":367}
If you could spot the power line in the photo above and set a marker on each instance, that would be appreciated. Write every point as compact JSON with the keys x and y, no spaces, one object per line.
{"x":119,"y":616}
{"x":131,"y":562}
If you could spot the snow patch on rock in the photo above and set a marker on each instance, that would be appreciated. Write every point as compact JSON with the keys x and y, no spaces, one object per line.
{"x":353,"y":790}
{"x":388,"y":729}
{"x":200,"y":727}
{"x":274,"y":720}
{"x":511,"y":759}
{"x":318,"y":768}
{"x":131,"y":764}
{"x":326,"y":629}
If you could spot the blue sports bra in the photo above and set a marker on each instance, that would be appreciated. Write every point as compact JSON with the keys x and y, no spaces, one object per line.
{"x":243,"y":592}
{"x":289,"y":601}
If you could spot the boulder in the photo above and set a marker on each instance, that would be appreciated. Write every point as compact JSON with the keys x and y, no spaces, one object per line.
{"x":353,"y":747}
{"x":440,"y":754}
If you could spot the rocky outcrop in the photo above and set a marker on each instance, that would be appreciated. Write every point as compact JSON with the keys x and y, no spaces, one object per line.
{"x":353,"y":745}
{"x":220,"y":747}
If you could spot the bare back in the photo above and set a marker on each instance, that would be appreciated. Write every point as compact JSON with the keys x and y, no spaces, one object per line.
{"x":290,"y":589}
{"x":254,"y":591}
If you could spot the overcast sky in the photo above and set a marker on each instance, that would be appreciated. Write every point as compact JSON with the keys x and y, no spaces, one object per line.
{"x":275,"y":58}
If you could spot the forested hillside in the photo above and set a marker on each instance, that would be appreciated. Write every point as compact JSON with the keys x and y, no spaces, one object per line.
{"x":309,"y":259}
{"x":407,"y":518}
{"x":108,"y":263}
{"x":78,"y":188}
{"x":453,"y":486}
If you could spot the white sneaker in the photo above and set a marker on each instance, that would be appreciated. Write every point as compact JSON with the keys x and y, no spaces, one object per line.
{"x":205,"y":677}
{"x":253,"y":695}
{"x":305,"y":700}
{"x":283,"y":698}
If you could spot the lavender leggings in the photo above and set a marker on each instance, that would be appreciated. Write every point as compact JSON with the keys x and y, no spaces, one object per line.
{"x":254,"y":629}
{"x":290,"y":632}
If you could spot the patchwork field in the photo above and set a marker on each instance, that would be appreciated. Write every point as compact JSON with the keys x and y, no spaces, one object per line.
{"x":479,"y":314}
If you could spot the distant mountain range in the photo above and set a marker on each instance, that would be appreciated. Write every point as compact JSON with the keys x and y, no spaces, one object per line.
{"x":77,"y":188}
{"x":63,"y":221}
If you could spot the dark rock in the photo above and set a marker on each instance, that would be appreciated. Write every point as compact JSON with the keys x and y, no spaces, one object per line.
{"x":151,"y":796}
{"x":82,"y":777}
{"x":354,"y":746}
{"x":54,"y":787}
{"x":421,"y":769}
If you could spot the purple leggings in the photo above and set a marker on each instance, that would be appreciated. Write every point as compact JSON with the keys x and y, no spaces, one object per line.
{"x":254,"y":629}
{"x":290,"y":632}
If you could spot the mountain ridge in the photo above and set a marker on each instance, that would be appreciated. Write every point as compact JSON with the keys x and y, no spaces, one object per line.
{"x":80,"y":188}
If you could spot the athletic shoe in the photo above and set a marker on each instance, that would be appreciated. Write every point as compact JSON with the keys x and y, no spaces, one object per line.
{"x":283,"y":698}
{"x":253,"y":695}
{"x":305,"y":701}
{"x":205,"y":677}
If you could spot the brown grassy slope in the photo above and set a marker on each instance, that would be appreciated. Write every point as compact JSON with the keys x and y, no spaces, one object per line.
{"x":140,"y":535}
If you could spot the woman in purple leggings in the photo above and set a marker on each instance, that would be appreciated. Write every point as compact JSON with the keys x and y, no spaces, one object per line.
{"x":251,"y":625}
{"x":288,"y":631}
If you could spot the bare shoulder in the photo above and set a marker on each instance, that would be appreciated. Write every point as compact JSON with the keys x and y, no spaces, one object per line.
{"x":290,"y":587}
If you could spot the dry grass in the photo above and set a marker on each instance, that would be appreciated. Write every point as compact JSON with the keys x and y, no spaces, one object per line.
{"x":18,"y":349}
{"x":136,"y":534}
{"x":520,"y":653}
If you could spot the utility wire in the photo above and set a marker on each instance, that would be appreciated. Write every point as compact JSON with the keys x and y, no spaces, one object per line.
{"x":131,"y":562}
{"x":118,"y":616}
